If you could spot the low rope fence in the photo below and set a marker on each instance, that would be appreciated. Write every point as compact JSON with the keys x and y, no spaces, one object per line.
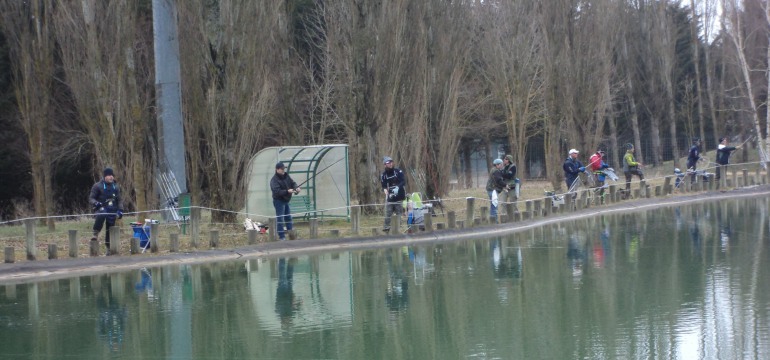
{"x":73,"y":233}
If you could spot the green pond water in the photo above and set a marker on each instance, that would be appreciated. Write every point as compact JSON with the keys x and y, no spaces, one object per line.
{"x":686,"y":282}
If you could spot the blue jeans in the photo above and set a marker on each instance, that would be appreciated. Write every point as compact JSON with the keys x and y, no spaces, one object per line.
{"x":283,"y":217}
{"x":492,"y":207}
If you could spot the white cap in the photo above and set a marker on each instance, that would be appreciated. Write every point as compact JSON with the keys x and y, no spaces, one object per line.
{"x":573,"y":151}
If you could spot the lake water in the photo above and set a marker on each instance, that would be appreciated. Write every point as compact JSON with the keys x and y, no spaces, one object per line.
{"x":679,"y":283}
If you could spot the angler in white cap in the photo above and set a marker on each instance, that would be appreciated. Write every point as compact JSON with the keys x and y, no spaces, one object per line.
{"x":572,"y":168}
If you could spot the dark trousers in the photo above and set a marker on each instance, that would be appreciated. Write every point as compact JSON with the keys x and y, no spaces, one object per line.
{"x":283,"y":217}
{"x":719,"y":171}
{"x":630,"y":175}
{"x":101,"y":218}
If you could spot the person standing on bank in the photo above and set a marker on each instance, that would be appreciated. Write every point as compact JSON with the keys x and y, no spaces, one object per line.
{"x":393,"y":184}
{"x":572,"y":168}
{"x":692,"y":159}
{"x":283,"y":187}
{"x":596,"y":164}
{"x":723,"y":155}
{"x":631,"y":167}
{"x":509,"y":176}
{"x":105,"y":199}
{"x":496,"y":183}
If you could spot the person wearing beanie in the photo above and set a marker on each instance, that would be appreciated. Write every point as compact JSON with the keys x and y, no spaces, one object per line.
{"x":723,"y":155}
{"x":283,"y":187}
{"x":631,"y":167}
{"x":692,"y":159}
{"x":106,"y":201}
{"x":393,"y":184}
{"x":495,"y":183}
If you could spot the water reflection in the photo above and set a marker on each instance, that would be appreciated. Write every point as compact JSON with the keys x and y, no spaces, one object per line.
{"x":507,"y":259}
{"x":286,"y":303}
{"x":397,"y":288}
{"x":577,"y":255}
{"x":112,"y":318}
{"x":659,"y":284}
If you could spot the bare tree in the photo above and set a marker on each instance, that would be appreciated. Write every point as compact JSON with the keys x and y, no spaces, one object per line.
{"x":695,"y":43}
{"x":110,"y":85}
{"x":233,"y":61}
{"x":29,"y":30}
{"x":512,"y":66}
{"x":665,"y":35}
{"x":732,"y":17}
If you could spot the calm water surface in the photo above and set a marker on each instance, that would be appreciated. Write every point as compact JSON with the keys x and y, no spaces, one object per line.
{"x":676,"y":283}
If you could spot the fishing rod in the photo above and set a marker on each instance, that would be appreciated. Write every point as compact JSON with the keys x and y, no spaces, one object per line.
{"x":318,"y":172}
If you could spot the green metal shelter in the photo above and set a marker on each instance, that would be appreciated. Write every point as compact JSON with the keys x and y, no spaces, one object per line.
{"x":323,"y":169}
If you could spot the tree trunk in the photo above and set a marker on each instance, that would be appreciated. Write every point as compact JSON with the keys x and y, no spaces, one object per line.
{"x":696,"y":54}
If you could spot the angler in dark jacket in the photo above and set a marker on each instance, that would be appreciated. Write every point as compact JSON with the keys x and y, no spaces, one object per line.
{"x":572,"y":168}
{"x":692,"y":158}
{"x":105,"y":199}
{"x":394,"y":186}
{"x":723,"y":155}
{"x":496,"y":183}
{"x":283,"y":187}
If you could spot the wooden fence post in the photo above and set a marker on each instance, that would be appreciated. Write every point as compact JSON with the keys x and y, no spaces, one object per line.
{"x":469,"y":202}
{"x":355,"y":219}
{"x":134,"y":245}
{"x":93,"y":247}
{"x":10,"y":255}
{"x":451,"y":221}
{"x":273,"y":228}
{"x":195,"y":226}
{"x":214,"y":238}
{"x":174,"y":239}
{"x":114,"y":240}
{"x":53,"y":252}
{"x":314,"y":228}
{"x":73,"y":235}
{"x":154,"y":236}
{"x":252,"y":236}
{"x":395,"y":224}
{"x":29,"y":224}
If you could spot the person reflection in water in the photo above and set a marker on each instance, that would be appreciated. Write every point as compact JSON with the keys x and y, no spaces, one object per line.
{"x":286,"y":303}
{"x":112,"y":319}
{"x":576,"y":255}
{"x":601,"y":248}
{"x":505,"y":263}
{"x":396,"y":294}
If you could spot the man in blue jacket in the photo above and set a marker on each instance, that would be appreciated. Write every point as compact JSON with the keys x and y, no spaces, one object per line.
{"x":394,"y":186}
{"x":283,"y":187}
{"x":572,"y":168}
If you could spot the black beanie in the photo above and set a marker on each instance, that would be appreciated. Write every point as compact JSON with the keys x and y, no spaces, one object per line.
{"x":108,"y":172}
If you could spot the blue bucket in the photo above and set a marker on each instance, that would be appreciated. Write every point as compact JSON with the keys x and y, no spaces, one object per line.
{"x":141,"y":233}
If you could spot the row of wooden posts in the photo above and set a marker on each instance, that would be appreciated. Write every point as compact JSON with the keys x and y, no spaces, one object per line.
{"x":533,"y":209}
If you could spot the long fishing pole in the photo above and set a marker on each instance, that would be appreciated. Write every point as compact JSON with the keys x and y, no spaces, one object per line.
{"x":318,"y":172}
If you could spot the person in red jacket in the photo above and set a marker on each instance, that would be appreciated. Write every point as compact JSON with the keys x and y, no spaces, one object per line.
{"x":597,"y":165}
